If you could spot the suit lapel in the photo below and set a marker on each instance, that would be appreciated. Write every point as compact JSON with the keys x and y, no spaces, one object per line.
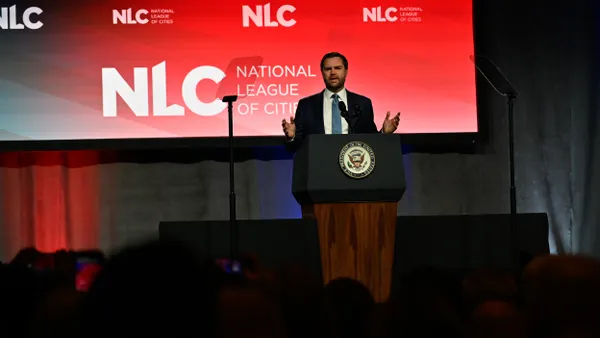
{"x":349,"y":106}
{"x":352,"y":111}
{"x":318,"y":108}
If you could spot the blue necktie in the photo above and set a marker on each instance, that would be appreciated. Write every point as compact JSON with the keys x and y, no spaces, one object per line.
{"x":336,"y":118}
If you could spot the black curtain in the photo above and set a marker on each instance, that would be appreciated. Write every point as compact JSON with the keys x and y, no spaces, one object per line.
{"x":549,"y":52}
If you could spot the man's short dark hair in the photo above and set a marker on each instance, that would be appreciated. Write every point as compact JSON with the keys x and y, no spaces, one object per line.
{"x":332,"y":55}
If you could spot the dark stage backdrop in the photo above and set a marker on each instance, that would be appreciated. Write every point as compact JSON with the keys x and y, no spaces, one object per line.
{"x":90,"y":199}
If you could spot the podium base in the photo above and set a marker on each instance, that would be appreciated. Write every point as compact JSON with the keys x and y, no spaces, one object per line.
{"x":357,"y":241}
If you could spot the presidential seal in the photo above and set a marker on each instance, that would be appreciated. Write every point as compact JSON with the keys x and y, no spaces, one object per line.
{"x":357,"y":159}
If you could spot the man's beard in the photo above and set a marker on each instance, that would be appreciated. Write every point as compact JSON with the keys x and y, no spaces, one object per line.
{"x":333,"y":87}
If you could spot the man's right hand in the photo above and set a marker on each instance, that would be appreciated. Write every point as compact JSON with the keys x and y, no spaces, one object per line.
{"x":289,"y":128}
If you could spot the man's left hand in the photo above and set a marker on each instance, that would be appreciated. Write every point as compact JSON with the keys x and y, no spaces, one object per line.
{"x":390,"y":125}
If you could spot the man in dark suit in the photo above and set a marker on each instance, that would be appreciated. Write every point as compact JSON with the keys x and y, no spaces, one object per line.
{"x":321,"y":113}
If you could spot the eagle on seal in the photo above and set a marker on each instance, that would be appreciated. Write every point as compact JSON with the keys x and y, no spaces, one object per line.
{"x":357,"y":159}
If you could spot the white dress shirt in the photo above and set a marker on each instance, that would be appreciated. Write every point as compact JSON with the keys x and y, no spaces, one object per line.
{"x":327,"y":114}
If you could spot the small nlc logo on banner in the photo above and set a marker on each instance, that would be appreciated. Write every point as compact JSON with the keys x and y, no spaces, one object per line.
{"x":357,"y":159}
{"x":10,"y":18}
{"x":263,"y":16}
{"x":154,"y":16}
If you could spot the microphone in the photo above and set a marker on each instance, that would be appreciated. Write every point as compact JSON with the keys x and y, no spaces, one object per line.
{"x":343,"y":109}
{"x":346,"y":116}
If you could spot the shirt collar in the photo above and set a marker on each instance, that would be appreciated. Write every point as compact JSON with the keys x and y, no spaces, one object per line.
{"x":341,"y":93}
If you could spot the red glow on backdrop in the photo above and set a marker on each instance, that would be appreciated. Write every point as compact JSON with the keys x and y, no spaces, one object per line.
{"x":51,"y":200}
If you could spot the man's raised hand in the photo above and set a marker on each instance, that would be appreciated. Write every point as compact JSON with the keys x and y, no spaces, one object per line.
{"x":390,"y":125}
{"x":289,"y":128}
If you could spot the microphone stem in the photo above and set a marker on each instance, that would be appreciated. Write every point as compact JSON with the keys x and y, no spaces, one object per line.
{"x":346,"y":116}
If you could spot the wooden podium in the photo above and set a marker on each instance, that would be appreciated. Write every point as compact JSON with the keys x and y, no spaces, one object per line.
{"x":351,"y":184}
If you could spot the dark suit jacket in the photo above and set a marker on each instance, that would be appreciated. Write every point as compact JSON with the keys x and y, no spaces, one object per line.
{"x":309,"y":117}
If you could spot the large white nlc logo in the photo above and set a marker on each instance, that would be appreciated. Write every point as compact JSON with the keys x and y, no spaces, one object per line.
{"x":137,"y":98}
{"x":10,"y":19}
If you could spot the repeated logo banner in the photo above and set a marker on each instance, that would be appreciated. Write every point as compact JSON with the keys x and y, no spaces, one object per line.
{"x":158,"y":68}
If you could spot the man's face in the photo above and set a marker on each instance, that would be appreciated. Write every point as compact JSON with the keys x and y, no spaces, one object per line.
{"x":334,"y":74}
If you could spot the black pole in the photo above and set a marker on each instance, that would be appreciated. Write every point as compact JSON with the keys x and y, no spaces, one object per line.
{"x":233,"y":235}
{"x":513,"y":189}
{"x":502,"y":86}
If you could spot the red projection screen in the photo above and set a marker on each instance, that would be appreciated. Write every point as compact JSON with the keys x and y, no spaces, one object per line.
{"x":133,"y":69}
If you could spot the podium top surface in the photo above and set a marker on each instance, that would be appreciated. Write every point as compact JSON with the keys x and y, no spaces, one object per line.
{"x":349,"y":168}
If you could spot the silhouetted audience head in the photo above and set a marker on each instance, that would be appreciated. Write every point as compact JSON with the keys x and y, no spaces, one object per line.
{"x":155,"y":289}
{"x":427,"y":304}
{"x":245,"y":311}
{"x":348,"y":304}
{"x":26,"y":257}
{"x":21,"y":290}
{"x":488,"y":284}
{"x":562,"y":296}
{"x":495,"y":319}
{"x":57,"y":315}
{"x":300,"y":293}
